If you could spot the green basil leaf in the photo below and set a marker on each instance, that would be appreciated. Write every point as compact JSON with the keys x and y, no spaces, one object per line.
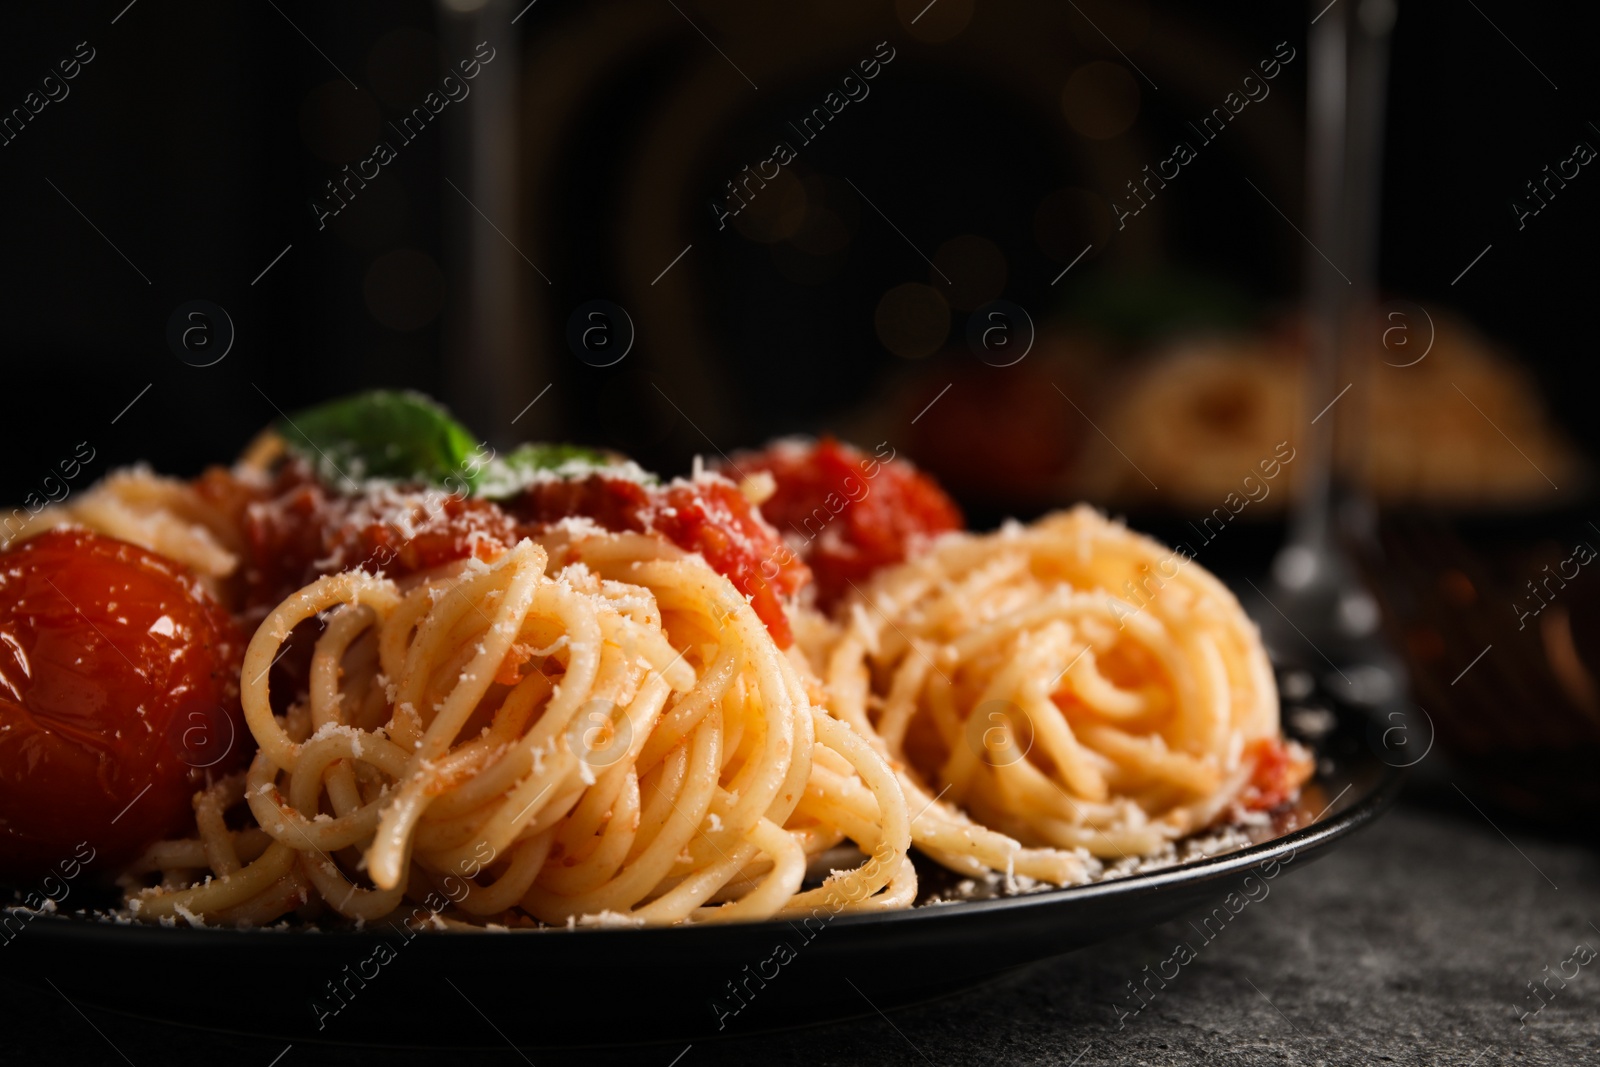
{"x":383,"y":434}
{"x":390,"y":435}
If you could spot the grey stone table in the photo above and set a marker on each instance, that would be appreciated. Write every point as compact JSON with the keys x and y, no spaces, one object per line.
{"x":1415,"y":943}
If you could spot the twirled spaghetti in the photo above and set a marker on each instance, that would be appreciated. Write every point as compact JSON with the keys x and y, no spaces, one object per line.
{"x":1070,"y":684}
{"x":616,"y":738}
{"x":165,"y":515}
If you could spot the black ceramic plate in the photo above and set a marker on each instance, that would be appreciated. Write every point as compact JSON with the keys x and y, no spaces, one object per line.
{"x":668,"y":984}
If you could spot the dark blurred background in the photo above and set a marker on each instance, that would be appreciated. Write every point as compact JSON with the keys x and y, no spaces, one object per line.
{"x":589,"y":158}
{"x":994,"y":142}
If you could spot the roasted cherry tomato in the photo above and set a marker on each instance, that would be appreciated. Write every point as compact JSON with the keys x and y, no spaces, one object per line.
{"x":850,"y":513}
{"x":119,"y":693}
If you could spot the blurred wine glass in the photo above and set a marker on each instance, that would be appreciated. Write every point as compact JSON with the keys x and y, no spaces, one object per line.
{"x":1319,"y":614}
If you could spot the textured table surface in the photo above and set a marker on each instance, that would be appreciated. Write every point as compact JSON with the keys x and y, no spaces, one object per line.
{"x":1412,"y":944}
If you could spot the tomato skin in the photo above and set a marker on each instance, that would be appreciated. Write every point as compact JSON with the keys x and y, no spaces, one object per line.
{"x":119,"y":692}
{"x":854,"y":512}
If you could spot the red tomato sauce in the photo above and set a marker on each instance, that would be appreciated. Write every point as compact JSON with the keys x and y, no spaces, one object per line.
{"x":1280,"y":772}
{"x":294,"y":531}
{"x":851,"y":512}
{"x":708,"y":515}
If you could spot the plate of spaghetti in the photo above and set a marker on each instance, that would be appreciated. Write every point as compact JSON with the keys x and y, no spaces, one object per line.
{"x":380,"y":715}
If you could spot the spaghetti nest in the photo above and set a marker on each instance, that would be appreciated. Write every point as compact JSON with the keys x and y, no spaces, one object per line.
{"x":614,"y":739}
{"x":1071,"y":685}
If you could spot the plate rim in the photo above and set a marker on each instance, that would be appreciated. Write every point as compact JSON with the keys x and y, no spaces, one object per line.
{"x":1364,"y":809}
